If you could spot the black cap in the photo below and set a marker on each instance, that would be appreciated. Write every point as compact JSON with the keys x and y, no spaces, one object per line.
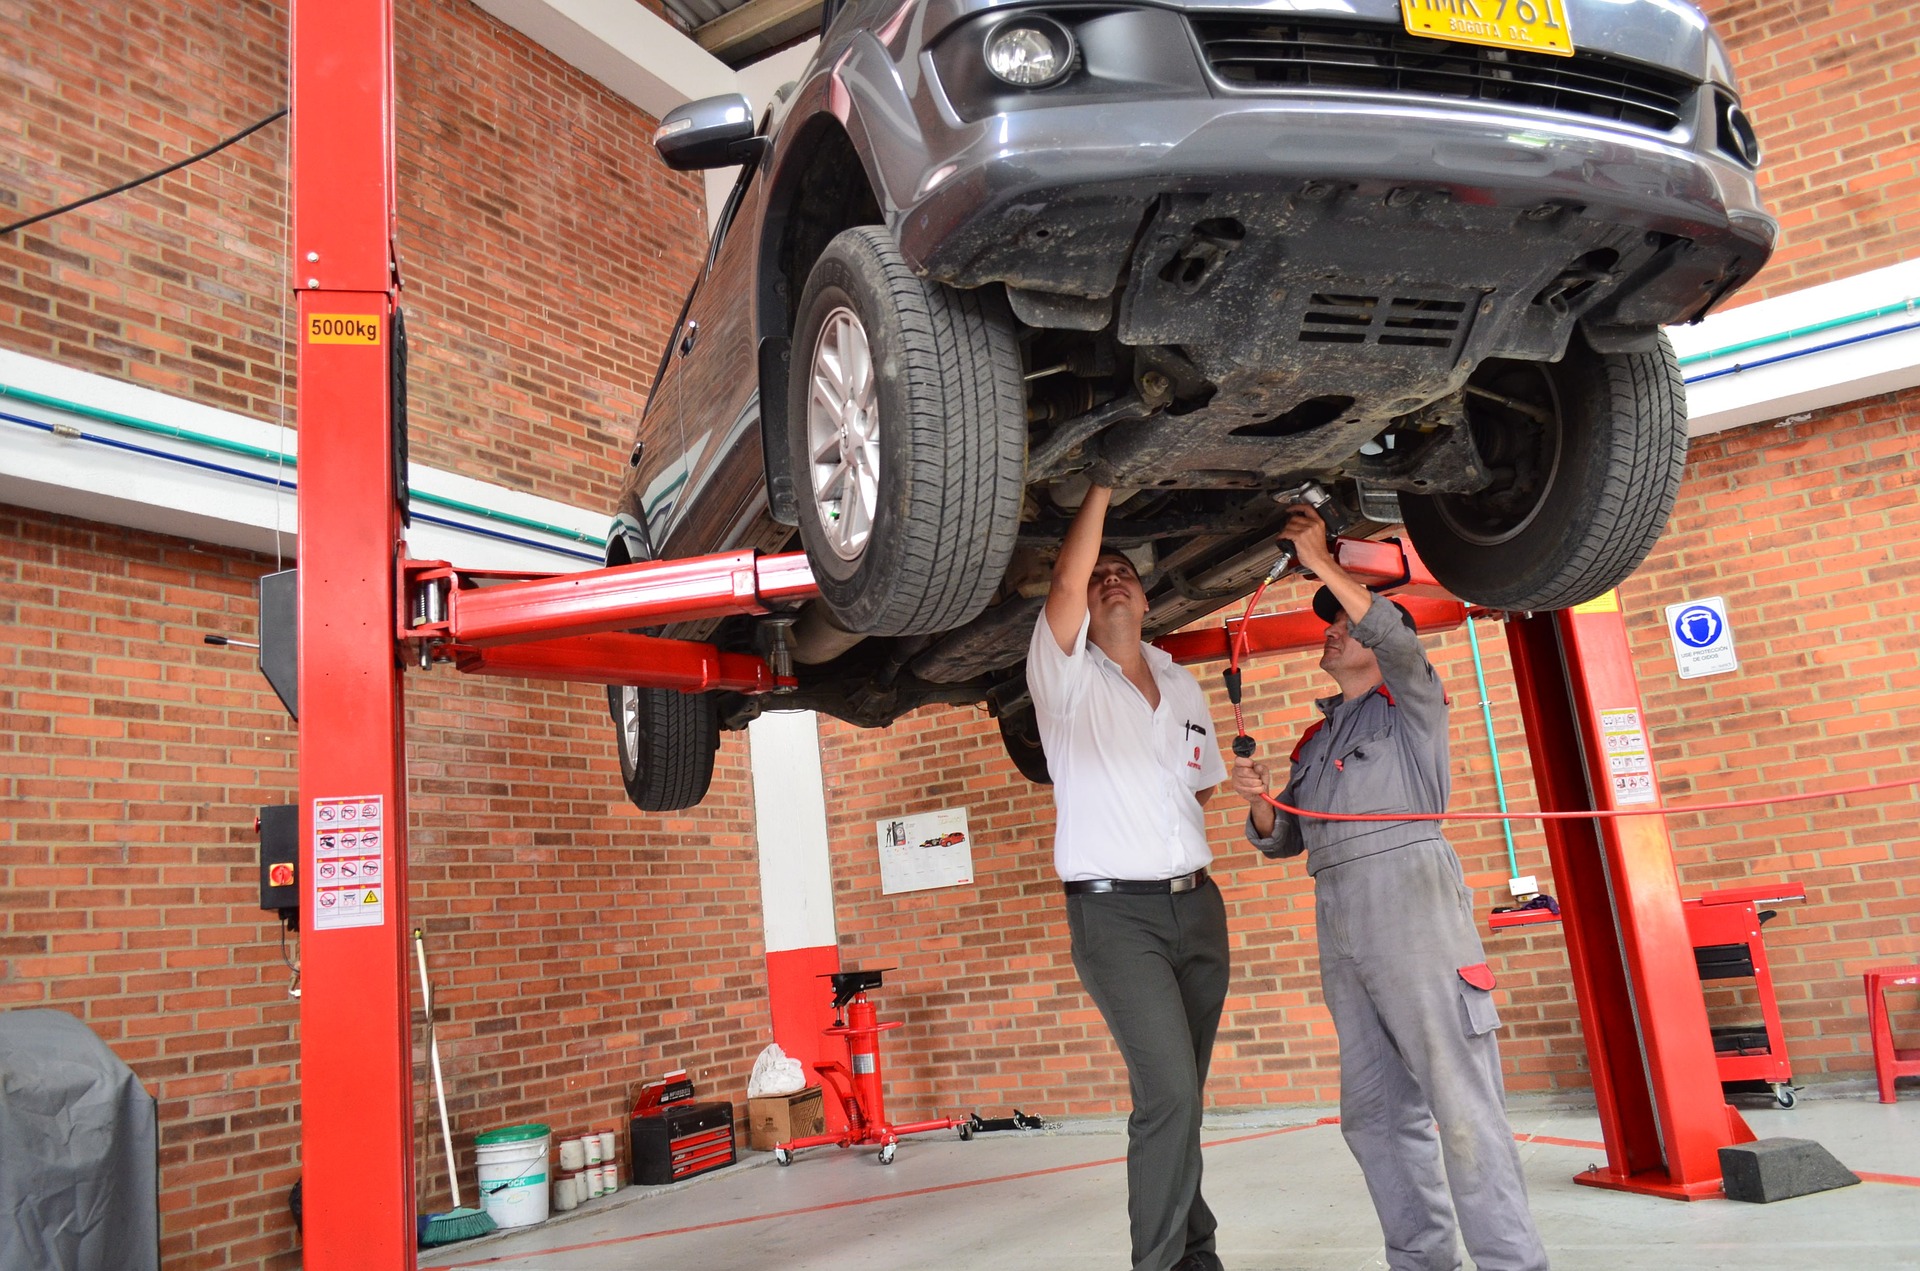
{"x":1327,"y":607}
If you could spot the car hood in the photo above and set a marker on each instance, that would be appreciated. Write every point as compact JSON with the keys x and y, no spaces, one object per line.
{"x":1666,"y":33}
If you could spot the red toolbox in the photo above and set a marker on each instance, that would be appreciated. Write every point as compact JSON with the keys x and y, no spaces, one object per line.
{"x":1725,"y":930}
{"x":680,"y":1140}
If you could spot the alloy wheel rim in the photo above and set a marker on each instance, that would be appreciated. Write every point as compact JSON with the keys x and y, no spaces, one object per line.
{"x":843,"y":434}
{"x":630,"y":728}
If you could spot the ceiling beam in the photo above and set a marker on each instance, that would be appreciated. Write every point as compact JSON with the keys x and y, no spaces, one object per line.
{"x":750,"y":21}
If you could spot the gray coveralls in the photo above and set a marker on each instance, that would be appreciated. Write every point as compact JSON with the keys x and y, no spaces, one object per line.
{"x":1403,"y":972}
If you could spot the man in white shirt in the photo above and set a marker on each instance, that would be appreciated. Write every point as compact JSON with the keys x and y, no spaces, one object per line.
{"x":1131,"y":748}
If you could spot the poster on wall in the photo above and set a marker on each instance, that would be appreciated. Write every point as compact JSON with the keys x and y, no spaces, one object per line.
{"x":929,"y":849}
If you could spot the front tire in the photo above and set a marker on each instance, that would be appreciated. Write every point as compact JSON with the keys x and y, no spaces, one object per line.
{"x":1589,"y":453}
{"x":666,"y":740}
{"x":907,"y":437}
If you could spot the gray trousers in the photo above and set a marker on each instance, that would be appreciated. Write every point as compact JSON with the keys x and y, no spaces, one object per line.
{"x":1417,"y":1051}
{"x":1156,"y":966}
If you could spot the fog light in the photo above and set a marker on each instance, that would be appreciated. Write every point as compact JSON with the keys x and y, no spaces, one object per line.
{"x":1740,"y":131}
{"x":1030,"y":52}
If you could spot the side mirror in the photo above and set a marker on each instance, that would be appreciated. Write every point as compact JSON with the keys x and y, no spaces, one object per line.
{"x":714,"y":132}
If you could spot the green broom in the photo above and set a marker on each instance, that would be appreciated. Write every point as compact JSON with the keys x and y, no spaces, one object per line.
{"x":459,"y":1224}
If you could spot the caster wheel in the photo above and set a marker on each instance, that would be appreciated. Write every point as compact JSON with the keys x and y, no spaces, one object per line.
{"x":886,"y":1153}
{"x":1784,"y":1096}
{"x":782,"y":1156}
{"x":966,"y":1131}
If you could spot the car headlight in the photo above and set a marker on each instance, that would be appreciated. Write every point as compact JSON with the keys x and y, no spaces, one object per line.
{"x":1031,"y":52}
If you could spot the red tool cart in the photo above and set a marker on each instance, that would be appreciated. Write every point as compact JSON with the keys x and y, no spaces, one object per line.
{"x":1725,"y":929}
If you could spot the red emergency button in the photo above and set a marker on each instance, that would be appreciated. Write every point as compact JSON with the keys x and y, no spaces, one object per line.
{"x":280,"y":874}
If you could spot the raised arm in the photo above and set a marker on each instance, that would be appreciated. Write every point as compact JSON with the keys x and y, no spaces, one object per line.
{"x":1067,"y":595}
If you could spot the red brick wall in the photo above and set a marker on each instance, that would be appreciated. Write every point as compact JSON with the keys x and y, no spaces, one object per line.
{"x":1831,"y":88}
{"x":576,"y":946}
{"x":579,"y":946}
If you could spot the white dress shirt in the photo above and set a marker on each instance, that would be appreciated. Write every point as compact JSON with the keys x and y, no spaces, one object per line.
{"x":1124,"y":774}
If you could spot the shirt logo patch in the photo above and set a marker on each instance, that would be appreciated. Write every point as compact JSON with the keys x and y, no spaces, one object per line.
{"x":1195,"y":761}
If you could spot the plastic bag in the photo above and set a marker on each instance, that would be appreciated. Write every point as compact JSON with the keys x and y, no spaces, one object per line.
{"x":775,"y":1074}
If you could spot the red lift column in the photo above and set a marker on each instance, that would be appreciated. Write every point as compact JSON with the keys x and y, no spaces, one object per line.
{"x":1662,"y":1112}
{"x":355,"y":1061}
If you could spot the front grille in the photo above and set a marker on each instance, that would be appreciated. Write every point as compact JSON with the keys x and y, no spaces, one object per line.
{"x":1408,"y":321}
{"x":1261,"y":53}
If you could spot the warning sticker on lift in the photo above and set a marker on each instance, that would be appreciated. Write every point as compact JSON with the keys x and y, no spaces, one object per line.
{"x":343,"y":328}
{"x":1629,"y":764}
{"x":349,"y":862}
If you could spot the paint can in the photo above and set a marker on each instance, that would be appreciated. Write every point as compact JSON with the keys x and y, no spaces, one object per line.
{"x":565,"y":1194}
{"x":592,"y":1145}
{"x":513,"y":1172}
{"x":573,"y":1155}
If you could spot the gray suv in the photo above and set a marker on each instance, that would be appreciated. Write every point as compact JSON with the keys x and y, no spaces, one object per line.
{"x":1416,"y":251}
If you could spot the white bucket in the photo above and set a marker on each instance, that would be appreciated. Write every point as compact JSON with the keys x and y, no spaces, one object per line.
{"x":513,"y":1174}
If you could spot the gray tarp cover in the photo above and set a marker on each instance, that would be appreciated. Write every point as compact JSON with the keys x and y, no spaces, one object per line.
{"x":78,"y":1169}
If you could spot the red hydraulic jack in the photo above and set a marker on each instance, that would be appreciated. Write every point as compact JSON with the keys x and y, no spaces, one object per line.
{"x":857,"y":1083}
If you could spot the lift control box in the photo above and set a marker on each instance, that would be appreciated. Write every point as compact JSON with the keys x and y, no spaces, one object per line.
{"x":279,"y":826}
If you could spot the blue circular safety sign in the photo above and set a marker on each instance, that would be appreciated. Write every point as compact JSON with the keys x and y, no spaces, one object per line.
{"x":1697,"y":626}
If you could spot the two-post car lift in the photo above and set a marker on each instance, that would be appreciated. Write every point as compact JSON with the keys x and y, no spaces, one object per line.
{"x":364,"y":612}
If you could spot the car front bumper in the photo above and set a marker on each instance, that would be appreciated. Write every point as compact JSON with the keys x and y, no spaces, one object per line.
{"x":1053,"y":199}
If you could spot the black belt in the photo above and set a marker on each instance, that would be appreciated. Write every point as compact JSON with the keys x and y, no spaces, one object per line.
{"x":1137,"y":886}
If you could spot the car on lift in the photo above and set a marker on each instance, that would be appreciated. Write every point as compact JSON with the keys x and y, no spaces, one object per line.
{"x":1418,"y":252}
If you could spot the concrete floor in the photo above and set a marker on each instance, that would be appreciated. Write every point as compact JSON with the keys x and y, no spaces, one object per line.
{"x":1287,"y":1193}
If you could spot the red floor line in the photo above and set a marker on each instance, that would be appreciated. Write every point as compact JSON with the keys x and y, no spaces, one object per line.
{"x":864,"y":1200}
{"x":1898,"y":1180}
{"x":1548,"y":1138}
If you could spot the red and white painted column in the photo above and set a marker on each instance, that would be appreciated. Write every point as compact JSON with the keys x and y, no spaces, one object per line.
{"x":796,"y":884}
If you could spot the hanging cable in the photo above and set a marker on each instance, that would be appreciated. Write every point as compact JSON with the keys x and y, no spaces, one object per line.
{"x":124,"y":186}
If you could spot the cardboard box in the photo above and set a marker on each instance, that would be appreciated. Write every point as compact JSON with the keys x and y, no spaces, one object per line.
{"x":784,"y":1118}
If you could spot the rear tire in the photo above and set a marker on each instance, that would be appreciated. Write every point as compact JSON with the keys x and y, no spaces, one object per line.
{"x":1020,"y":734}
{"x":666,"y":741}
{"x":907,"y":437}
{"x":1585,"y":494}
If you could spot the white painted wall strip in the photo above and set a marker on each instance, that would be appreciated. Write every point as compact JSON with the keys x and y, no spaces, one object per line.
{"x":790,"y":822}
{"x":1854,"y":369}
{"x":77,"y":478}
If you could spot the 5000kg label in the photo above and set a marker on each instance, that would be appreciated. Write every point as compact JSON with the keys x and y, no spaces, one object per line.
{"x":343,"y":328}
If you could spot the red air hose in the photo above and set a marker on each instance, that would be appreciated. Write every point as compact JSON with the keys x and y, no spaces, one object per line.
{"x":1656,"y":810}
{"x":1242,"y":740}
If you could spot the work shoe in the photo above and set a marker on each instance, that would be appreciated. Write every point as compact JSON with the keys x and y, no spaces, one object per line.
{"x":1200,"y":1260}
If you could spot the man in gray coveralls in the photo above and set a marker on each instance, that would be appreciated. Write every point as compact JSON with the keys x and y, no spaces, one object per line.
{"x":1401,"y":965}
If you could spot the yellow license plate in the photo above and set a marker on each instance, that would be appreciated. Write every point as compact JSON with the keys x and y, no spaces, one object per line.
{"x":1538,"y":26}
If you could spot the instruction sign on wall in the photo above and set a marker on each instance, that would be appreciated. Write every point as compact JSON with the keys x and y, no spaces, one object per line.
{"x":1702,"y":640}
{"x":931,"y":849}
{"x":349,"y":862}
